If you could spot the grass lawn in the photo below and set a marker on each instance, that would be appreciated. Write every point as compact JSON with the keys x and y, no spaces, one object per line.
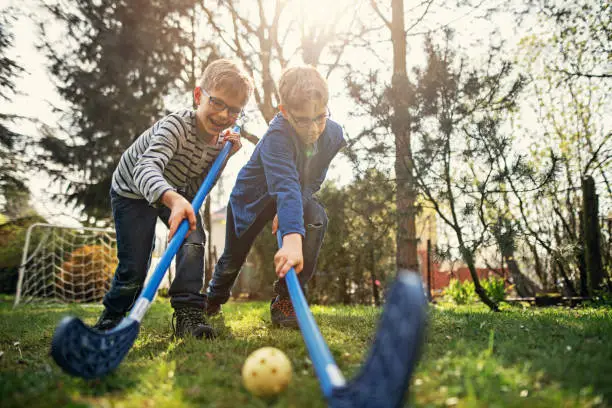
{"x":553,"y":357}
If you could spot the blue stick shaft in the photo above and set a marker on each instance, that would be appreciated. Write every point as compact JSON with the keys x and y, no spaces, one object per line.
{"x":176,"y":241}
{"x":325,"y":367}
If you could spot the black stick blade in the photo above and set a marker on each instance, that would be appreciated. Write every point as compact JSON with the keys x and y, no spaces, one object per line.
{"x":87,"y":353}
{"x":383,"y":380}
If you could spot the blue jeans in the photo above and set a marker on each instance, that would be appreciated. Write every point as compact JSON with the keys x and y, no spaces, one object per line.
{"x":135,"y":226}
{"x":237,"y":248}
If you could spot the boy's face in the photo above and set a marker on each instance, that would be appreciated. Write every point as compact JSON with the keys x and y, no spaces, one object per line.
{"x":216,"y":110}
{"x":309,"y":121}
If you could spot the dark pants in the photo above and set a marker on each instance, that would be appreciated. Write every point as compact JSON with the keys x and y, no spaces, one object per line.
{"x":135,"y":226}
{"x":237,"y":249}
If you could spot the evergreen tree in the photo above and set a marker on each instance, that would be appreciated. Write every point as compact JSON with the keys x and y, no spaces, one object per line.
{"x":116,"y":63}
{"x":359,"y":253}
{"x":14,"y":194}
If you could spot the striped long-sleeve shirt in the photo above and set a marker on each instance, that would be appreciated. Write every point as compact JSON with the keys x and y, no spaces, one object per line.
{"x":167,"y":156}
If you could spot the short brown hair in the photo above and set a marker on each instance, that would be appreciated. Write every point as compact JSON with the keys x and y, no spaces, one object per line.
{"x":299,"y":85}
{"x":227,"y":75}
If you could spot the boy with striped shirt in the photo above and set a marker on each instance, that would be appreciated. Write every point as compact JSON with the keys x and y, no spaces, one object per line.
{"x":158,"y":176}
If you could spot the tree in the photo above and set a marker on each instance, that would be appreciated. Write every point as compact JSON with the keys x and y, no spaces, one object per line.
{"x":113,"y":67}
{"x":390,"y":134}
{"x":358,"y":256}
{"x":372,"y":211}
{"x":399,"y":95}
{"x":569,"y":82}
{"x":581,"y":34}
{"x":336,"y":267}
{"x":14,"y":193}
{"x":460,"y":110}
{"x":506,"y":232}
{"x":12,"y":238}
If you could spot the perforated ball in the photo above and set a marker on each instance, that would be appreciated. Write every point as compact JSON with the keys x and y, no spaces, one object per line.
{"x":266,"y":372}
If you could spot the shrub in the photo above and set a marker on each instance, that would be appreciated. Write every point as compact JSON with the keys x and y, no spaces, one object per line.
{"x":87,"y":272}
{"x":495,"y":288}
{"x":12,"y":238}
{"x":601,"y":298}
{"x":460,"y":293}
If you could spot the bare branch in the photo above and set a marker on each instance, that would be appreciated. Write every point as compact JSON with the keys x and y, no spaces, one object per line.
{"x":380,"y":14}
{"x":421,"y":17}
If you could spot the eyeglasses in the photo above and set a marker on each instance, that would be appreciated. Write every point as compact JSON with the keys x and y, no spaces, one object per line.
{"x":218,"y":105}
{"x":306,"y":122}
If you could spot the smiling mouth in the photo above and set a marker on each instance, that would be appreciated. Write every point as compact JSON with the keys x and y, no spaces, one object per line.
{"x":217,"y":124}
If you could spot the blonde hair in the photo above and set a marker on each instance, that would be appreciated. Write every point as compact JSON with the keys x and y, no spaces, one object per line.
{"x":302,"y":84}
{"x":227,"y":75}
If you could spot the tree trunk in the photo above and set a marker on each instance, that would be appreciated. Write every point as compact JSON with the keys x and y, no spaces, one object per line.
{"x":592,"y":235}
{"x":571,"y":290}
{"x":539,"y":271}
{"x":344,"y":287}
{"x":406,"y":257}
{"x":375,"y":291}
{"x":607,"y":253}
{"x":482,"y":294}
{"x":584,"y":287}
{"x":524,"y":286}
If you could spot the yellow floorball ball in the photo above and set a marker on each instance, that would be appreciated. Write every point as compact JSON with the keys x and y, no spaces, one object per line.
{"x":266,"y":372}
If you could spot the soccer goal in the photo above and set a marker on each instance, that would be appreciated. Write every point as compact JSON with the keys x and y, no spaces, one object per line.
{"x":66,"y":264}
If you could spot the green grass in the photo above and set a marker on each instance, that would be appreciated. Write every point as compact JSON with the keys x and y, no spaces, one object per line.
{"x":474,"y":358}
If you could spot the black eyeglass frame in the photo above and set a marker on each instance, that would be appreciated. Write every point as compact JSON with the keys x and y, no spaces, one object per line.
{"x":306,"y":122}
{"x":218,"y":105}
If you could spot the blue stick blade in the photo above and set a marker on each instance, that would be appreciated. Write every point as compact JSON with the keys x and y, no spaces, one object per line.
{"x":88,"y":353}
{"x":384,"y":378}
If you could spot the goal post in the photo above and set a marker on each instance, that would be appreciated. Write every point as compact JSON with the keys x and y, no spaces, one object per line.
{"x":66,"y":264}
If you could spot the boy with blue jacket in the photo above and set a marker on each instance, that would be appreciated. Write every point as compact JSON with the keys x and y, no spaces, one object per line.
{"x":277,"y":184}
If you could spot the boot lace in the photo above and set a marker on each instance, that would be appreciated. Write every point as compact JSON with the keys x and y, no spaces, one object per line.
{"x":187,"y":317}
{"x":285,"y":306}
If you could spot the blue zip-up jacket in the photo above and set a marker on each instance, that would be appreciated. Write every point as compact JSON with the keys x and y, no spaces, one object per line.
{"x":280,"y":170}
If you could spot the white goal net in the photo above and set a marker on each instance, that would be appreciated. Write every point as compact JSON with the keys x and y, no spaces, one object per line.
{"x":65,"y":264}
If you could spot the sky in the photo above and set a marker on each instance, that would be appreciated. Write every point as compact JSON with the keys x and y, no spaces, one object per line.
{"x":35,"y":98}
